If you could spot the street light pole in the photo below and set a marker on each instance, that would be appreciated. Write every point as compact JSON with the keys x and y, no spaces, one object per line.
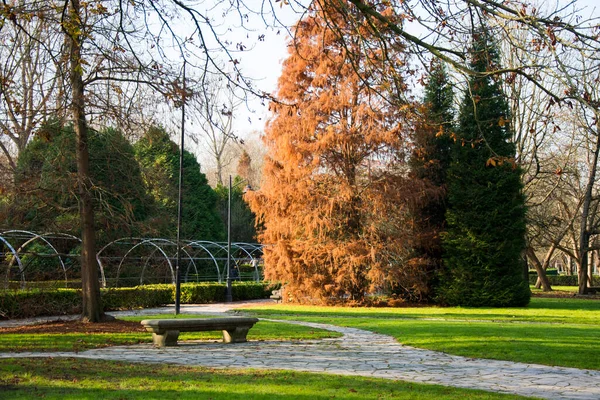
{"x":229,"y":295}
{"x":180,"y":202}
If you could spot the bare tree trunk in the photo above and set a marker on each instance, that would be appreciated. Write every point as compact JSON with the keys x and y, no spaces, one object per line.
{"x":219,"y":169}
{"x":92,"y":307}
{"x":542,"y":280}
{"x":584,"y":236}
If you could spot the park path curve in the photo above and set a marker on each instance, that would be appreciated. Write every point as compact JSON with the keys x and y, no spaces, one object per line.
{"x":358,"y":352}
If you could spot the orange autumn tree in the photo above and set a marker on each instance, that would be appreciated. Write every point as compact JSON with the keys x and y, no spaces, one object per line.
{"x":332,"y":201}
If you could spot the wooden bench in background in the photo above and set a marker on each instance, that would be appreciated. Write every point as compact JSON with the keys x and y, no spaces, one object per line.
{"x":166,"y":331}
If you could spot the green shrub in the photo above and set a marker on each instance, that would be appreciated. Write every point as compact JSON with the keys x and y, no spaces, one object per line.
{"x":563,"y":280}
{"x":137,"y":297}
{"x":199,"y":293}
{"x":549,"y":272}
{"x":250,"y":291}
{"x":33,"y":303}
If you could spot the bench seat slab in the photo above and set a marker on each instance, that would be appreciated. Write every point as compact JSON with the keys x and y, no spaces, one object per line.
{"x":165,"y":332}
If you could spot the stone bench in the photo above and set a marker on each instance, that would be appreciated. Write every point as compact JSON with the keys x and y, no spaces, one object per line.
{"x":277,"y":295}
{"x":166,"y":331}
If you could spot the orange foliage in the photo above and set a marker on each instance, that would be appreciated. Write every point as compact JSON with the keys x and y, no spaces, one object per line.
{"x":335,"y":196}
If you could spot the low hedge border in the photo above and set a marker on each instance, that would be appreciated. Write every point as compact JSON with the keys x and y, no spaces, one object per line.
{"x":36,"y":302}
{"x":563,"y":280}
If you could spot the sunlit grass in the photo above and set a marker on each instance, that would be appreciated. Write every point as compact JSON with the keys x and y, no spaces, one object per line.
{"x":95,"y":379}
{"x":550,"y":331}
{"x":263,"y":330}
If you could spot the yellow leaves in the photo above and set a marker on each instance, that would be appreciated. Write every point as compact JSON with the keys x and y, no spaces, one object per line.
{"x":502,"y":121}
{"x":440,"y":132}
{"x":497,"y":161}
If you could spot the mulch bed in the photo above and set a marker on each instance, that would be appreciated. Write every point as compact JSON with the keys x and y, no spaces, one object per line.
{"x":116,"y":326}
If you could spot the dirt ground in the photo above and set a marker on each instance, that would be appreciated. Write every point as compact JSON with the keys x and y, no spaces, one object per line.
{"x":116,"y":326}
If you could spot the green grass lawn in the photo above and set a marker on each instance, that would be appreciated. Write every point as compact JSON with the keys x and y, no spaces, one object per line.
{"x":558,"y":331}
{"x":556,"y":289}
{"x":94,"y":379}
{"x":263,"y":330}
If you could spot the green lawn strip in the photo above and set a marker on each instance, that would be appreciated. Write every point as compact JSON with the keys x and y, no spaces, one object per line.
{"x":556,"y":289}
{"x":14,"y":342}
{"x":550,"y":310}
{"x":95,"y":379}
{"x":504,"y":334}
{"x":263,"y":330}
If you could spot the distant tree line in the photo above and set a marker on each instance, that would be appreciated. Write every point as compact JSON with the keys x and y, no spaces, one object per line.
{"x":134,"y":186}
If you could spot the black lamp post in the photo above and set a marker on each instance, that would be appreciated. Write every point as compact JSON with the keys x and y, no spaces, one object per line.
{"x":180,"y":202}
{"x":229,"y":293}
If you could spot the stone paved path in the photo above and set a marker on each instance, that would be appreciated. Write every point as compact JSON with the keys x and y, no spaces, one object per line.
{"x":362,"y":353}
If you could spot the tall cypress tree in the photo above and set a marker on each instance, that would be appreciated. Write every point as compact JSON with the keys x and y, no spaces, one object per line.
{"x":485,"y":238}
{"x":429,"y":164}
{"x":158,"y":156}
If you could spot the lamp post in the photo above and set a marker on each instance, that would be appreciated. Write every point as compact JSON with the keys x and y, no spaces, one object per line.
{"x":180,"y":202}
{"x":229,"y":295}
{"x":229,"y":292}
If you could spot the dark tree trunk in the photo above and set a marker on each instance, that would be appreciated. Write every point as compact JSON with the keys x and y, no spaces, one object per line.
{"x":543,"y":281}
{"x":584,"y":235}
{"x":92,"y":307}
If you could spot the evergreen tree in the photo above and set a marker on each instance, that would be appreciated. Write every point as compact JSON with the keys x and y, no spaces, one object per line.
{"x":158,"y":156}
{"x":485,"y":239}
{"x":242,"y":218}
{"x":429,"y":164}
{"x":46,"y":178}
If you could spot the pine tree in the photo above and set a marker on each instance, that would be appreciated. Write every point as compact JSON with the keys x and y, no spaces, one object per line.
{"x":429,"y":164}
{"x":158,"y":156}
{"x":485,"y":239}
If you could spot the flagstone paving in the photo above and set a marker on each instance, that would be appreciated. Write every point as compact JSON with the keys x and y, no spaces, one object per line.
{"x":362,"y":353}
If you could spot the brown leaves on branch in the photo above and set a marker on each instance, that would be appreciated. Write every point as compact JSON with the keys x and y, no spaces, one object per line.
{"x":334,"y":193}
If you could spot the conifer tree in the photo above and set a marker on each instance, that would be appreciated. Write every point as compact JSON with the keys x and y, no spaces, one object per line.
{"x":333,"y":189}
{"x":485,"y":239}
{"x":158,"y":156}
{"x":47,"y":197}
{"x":429,"y":164}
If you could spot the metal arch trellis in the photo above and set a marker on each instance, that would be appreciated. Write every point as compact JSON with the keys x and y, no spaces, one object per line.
{"x":32,"y":237}
{"x":168,"y":259}
{"x":190,"y":249}
{"x":16,"y":257}
{"x":207,"y":255}
{"x":198,"y":243}
{"x":240,"y":246}
{"x":156,"y":243}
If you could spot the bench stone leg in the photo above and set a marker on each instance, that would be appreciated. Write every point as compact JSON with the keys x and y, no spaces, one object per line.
{"x":167,"y":338}
{"x":237,"y":335}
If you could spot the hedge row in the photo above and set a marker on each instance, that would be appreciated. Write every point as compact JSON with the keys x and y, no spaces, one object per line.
{"x":549,"y":272}
{"x":34,"y":303}
{"x":563,"y":280}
